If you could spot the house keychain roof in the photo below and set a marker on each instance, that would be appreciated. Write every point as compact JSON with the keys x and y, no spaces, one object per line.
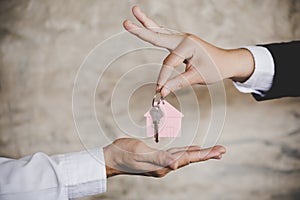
{"x":169,"y":125}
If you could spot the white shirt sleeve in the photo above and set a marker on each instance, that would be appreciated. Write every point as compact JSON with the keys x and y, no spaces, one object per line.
{"x":58,"y":177}
{"x":262,"y":78}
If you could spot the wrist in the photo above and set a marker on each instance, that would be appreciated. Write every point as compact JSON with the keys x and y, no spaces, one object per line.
{"x":111,"y":169}
{"x":241,"y":64}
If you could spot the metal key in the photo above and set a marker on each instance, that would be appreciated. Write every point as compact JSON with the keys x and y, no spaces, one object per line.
{"x":156,"y":114}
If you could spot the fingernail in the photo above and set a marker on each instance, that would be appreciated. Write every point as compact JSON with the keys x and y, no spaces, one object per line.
{"x":165,"y":91}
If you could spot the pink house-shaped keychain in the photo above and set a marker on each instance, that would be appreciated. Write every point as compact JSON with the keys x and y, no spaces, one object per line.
{"x":169,"y":125}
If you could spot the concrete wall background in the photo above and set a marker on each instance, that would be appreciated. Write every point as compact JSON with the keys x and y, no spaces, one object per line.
{"x":44,"y":42}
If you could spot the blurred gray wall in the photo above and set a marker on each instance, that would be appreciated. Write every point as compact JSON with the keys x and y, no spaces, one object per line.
{"x":43,"y":43}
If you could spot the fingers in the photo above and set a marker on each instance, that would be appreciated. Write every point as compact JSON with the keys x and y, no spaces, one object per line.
{"x":187,"y":157}
{"x":159,"y":163}
{"x":145,"y":167}
{"x":154,"y":34}
{"x":148,"y":23}
{"x":212,"y":153}
{"x":180,"y":149}
{"x":182,"y":80}
{"x":160,"y":158}
{"x":170,"y":62}
{"x":166,"y":159}
{"x":155,"y":38}
{"x":145,"y":154}
{"x":181,"y":47}
{"x":178,"y":56}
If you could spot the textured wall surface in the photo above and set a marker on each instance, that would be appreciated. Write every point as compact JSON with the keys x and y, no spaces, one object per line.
{"x":43,"y":43}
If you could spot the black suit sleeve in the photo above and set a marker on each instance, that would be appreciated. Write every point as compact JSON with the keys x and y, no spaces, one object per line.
{"x":286,"y":83}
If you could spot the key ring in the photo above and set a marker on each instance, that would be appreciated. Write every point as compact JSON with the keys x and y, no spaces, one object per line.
{"x":155,"y":99}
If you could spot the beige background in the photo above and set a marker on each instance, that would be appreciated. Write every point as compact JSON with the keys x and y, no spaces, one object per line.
{"x":43,"y":43}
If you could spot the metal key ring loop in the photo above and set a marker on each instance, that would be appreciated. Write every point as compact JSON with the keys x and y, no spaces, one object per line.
{"x":159,"y":100}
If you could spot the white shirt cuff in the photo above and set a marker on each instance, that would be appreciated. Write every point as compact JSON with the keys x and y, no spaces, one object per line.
{"x":262,"y":78}
{"x":85,"y":173}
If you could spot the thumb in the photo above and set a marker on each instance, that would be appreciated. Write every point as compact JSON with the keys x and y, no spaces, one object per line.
{"x":177,"y":83}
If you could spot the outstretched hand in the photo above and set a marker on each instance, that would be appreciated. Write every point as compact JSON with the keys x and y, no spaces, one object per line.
{"x":132,"y":156}
{"x":205,"y":63}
